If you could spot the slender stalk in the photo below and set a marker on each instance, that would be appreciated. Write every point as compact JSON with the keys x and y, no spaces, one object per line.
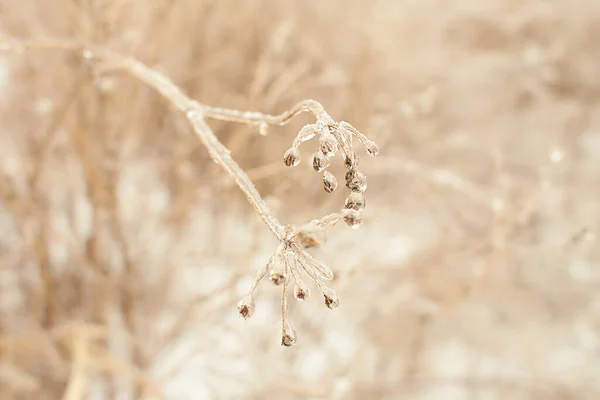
{"x":256,"y":118}
{"x":195,"y":112}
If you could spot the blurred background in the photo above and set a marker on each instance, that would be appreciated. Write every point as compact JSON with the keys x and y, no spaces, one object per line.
{"x":124,"y":249}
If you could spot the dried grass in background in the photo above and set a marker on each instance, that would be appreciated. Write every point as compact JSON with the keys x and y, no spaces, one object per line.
{"x":124,"y":249}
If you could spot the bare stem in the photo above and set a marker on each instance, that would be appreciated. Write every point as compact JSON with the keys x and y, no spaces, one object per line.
{"x":195,"y":112}
{"x":256,"y":118}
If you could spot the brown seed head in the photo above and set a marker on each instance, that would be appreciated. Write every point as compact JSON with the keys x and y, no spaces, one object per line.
{"x":246,"y":307}
{"x":291,"y":158}
{"x":356,"y":180}
{"x":355,"y":201}
{"x":288,"y":336}
{"x":320,"y":161}
{"x":277,"y":277}
{"x":311,"y":239}
{"x":332,"y":300}
{"x":352,"y":218}
{"x":301,"y":292}
{"x":372,"y":148}
{"x":351,"y":162}
{"x":328,"y":144}
{"x":329,"y":182}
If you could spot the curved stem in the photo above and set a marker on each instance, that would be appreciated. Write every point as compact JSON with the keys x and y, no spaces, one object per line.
{"x":220,"y":154}
{"x":256,"y":118}
{"x":195,"y":112}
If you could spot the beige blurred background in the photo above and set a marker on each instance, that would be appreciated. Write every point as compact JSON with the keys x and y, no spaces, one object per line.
{"x":124,"y":249}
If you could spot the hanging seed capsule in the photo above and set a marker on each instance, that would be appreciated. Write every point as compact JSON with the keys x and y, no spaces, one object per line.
{"x":328,"y":144}
{"x":355,"y":201}
{"x":301,"y":291}
{"x":291,"y":158}
{"x":352,"y":218}
{"x":288,"y":336}
{"x":356,"y":180}
{"x":278,"y":275}
{"x":372,"y":148}
{"x":321,"y":161}
{"x":311,"y":239}
{"x":332,"y":300}
{"x":329,"y":182}
{"x":351,"y":162}
{"x":246,"y":307}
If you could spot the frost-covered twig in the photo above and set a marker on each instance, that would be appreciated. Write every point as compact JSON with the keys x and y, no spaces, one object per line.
{"x":291,"y":256}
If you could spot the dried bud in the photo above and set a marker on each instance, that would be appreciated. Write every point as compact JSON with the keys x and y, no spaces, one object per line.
{"x":320,"y":161}
{"x":278,"y":273}
{"x":301,"y":291}
{"x":308,"y":239}
{"x":291,"y":157}
{"x":246,"y":307}
{"x":332,"y":300}
{"x":328,"y":144}
{"x":329,"y":182}
{"x":352,"y":218}
{"x":351,"y":162}
{"x":372,"y":148}
{"x":277,"y":277}
{"x":355,"y":201}
{"x":356,"y":180}
{"x":288,"y":336}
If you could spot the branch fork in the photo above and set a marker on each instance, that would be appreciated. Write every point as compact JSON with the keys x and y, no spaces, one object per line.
{"x":291,"y":260}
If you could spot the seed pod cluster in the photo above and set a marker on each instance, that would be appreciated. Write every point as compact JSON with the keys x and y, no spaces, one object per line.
{"x":286,"y":266}
{"x":291,"y":260}
{"x":334,"y":137}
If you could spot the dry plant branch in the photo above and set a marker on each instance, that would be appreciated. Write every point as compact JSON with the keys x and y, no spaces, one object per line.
{"x":334,"y":138}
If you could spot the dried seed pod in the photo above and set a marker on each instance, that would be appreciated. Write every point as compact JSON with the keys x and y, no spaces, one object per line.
{"x":301,"y":291}
{"x":352,"y":218}
{"x":320,"y":161}
{"x":329,"y":182}
{"x":291,"y":157}
{"x":355,"y":201}
{"x":246,"y":306}
{"x":351,"y":161}
{"x":356,"y":180}
{"x":308,"y":239}
{"x":278,"y":274}
{"x":332,"y":299}
{"x":288,"y":335}
{"x":372,"y":148}
{"x":328,"y":144}
{"x":277,"y":277}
